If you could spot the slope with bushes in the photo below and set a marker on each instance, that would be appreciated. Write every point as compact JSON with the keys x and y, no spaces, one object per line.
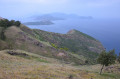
{"x":16,"y":38}
{"x":76,"y":42}
{"x":74,"y":47}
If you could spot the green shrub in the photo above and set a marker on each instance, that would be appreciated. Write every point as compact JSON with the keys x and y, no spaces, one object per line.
{"x":106,"y":58}
{"x":4,"y":24}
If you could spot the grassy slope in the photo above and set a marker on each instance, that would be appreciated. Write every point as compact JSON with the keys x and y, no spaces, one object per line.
{"x":17,"y":67}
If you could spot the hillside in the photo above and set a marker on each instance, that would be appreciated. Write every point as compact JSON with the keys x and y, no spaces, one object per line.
{"x":76,"y":42}
{"x":17,"y":39}
{"x":74,"y":47}
{"x":36,"y":54}
{"x":18,"y":64}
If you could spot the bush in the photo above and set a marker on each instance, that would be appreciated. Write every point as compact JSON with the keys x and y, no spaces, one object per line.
{"x":118,"y":58}
{"x":106,"y":58}
{"x":6,"y":23}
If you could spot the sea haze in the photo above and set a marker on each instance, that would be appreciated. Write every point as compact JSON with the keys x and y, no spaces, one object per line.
{"x":107,"y":31}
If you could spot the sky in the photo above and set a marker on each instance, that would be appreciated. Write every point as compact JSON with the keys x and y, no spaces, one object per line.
{"x":95,"y":8}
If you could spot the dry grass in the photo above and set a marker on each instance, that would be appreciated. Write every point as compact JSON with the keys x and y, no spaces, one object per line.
{"x":15,"y":67}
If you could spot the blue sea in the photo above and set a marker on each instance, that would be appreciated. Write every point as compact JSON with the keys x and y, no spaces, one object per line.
{"x":107,"y":31}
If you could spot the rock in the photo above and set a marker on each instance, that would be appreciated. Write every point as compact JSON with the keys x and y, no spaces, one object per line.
{"x":16,"y":53}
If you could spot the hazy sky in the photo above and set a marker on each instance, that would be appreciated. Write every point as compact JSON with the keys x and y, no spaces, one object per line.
{"x":95,"y":8}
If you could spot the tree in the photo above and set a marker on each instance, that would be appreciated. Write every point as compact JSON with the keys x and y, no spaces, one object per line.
{"x":17,"y":23}
{"x":5,"y":23}
{"x":2,"y":34}
{"x":106,"y":58}
{"x":12,"y":22}
{"x":118,"y":58}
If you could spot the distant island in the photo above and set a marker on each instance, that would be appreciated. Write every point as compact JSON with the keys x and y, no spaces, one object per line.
{"x":47,"y":19}
{"x":60,"y":16}
{"x":43,"y":22}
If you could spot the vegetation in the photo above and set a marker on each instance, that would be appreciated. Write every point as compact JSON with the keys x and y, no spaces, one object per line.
{"x":77,"y":42}
{"x":64,"y":48}
{"x":106,"y":58}
{"x":36,"y":67}
{"x":4,"y":24}
{"x":61,"y":48}
{"x":53,"y":45}
{"x":118,"y":58}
